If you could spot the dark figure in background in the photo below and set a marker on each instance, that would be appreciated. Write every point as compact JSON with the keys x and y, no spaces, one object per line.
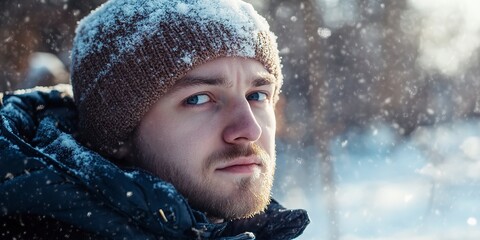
{"x":44,"y":69}
{"x":169,"y":132}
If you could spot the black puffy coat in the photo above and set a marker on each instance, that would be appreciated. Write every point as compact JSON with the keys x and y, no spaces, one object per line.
{"x":51,"y":187}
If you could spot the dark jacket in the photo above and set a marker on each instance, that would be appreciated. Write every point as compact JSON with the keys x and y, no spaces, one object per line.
{"x":51,"y":187}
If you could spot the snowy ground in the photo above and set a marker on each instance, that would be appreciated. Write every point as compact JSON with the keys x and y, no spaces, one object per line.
{"x":425,"y":187}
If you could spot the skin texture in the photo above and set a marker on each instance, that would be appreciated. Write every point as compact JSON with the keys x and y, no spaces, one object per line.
{"x":213,"y":136}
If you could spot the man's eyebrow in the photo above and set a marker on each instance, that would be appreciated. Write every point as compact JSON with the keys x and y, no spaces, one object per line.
{"x":195,"y":81}
{"x":263,"y":80}
{"x":266,"y":79}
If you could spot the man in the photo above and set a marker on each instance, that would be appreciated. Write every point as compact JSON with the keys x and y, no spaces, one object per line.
{"x":170,"y":134}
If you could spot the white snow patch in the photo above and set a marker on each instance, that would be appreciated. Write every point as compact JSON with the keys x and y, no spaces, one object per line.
{"x":182,"y":8}
{"x":471,"y":147}
{"x":187,"y":58}
{"x":472,"y":221}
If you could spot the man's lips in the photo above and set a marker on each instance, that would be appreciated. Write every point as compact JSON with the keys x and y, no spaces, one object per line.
{"x":240,"y":165}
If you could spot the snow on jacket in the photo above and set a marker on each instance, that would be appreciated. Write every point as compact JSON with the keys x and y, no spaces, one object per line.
{"x":51,"y":187}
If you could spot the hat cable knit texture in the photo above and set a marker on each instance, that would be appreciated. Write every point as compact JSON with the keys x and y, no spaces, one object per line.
{"x":126,"y":54}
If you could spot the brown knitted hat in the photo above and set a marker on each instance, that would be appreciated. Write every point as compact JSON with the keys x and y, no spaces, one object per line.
{"x":128,"y":53}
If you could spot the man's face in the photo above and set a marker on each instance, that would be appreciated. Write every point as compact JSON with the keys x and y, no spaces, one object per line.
{"x":213,"y":137}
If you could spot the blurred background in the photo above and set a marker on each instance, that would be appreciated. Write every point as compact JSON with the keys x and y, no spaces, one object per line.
{"x":379,"y":131}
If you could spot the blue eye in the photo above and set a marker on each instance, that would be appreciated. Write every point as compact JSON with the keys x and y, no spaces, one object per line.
{"x":197,"y":99}
{"x":257,"y":96}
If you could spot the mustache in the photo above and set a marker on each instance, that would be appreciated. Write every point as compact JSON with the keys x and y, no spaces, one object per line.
{"x":236,"y":151}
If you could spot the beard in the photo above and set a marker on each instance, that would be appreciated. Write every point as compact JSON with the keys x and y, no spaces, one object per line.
{"x":250,"y":195}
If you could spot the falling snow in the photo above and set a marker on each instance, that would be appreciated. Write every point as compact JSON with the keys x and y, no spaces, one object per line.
{"x":379,"y":131}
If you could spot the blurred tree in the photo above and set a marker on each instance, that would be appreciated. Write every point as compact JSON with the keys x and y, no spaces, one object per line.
{"x":319,"y":103}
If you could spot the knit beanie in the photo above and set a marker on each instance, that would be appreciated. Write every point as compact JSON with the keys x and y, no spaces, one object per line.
{"x":128,"y":53}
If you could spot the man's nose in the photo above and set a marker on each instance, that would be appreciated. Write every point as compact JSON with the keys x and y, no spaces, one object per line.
{"x":242,"y":126}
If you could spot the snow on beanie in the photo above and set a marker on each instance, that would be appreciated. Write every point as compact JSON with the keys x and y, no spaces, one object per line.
{"x":128,"y":53}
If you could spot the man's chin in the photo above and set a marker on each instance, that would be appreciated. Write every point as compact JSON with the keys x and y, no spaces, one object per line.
{"x":236,"y":209}
{"x":245,"y":201}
